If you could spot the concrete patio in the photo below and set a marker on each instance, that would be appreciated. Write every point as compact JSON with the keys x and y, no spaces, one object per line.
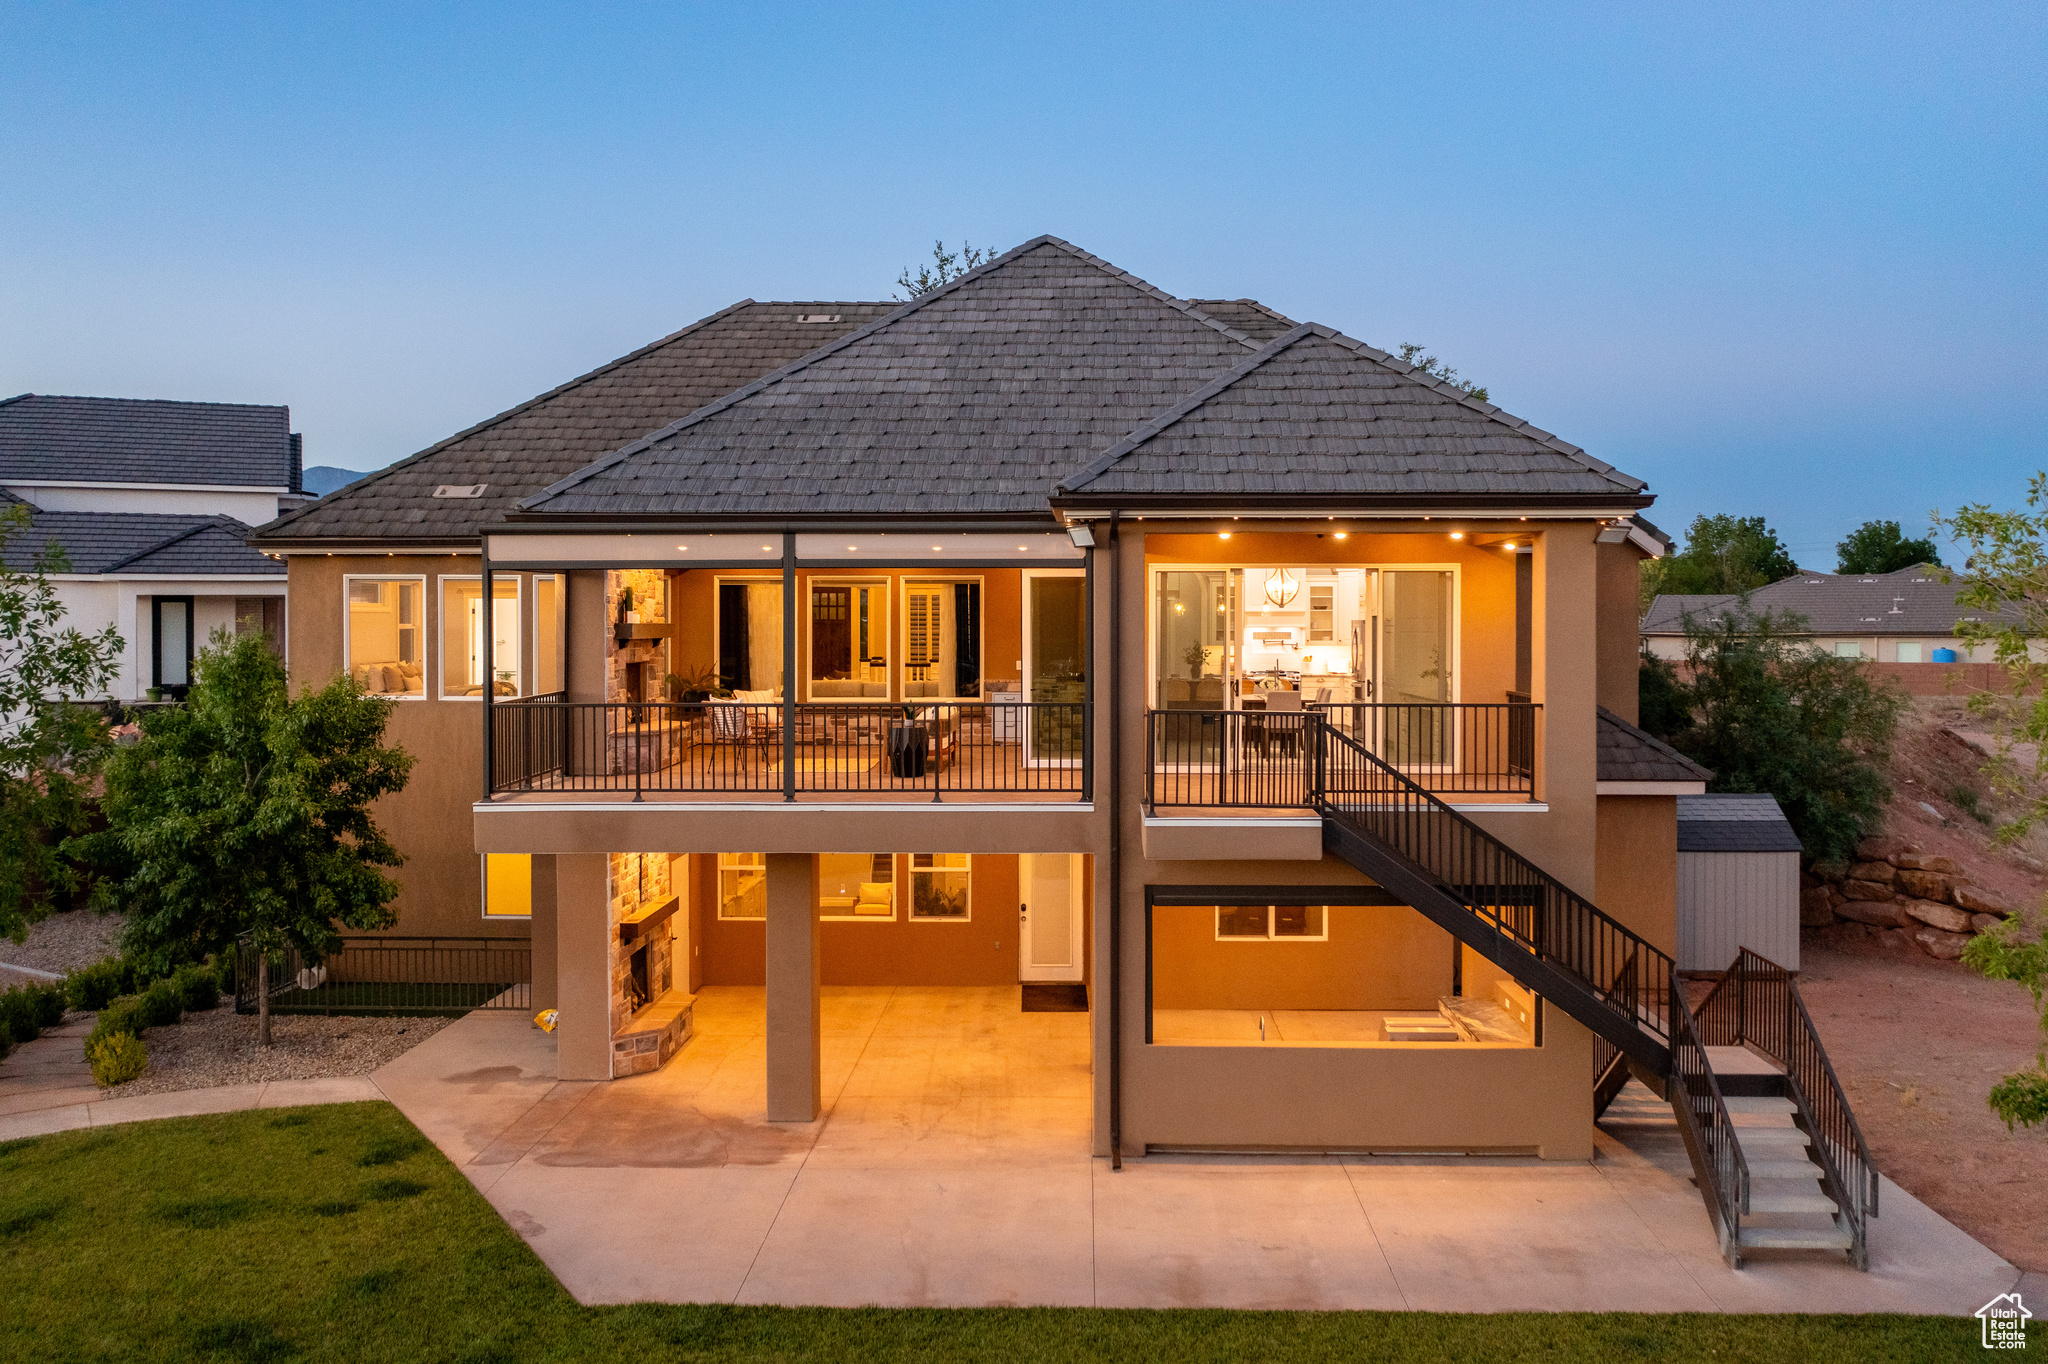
{"x":951,"y":1167}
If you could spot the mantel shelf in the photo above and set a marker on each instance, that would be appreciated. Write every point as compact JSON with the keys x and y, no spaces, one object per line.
{"x":657,"y":630}
{"x":647,"y":917}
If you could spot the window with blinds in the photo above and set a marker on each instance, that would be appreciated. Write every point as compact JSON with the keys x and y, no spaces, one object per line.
{"x":922,"y":626}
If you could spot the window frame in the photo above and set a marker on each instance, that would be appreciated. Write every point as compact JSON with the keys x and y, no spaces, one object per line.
{"x":560,"y":624}
{"x":807,"y":637}
{"x":896,"y":905}
{"x":741,"y":579}
{"x":928,"y":580}
{"x":719,"y":869}
{"x":518,"y":581}
{"x":424,"y":633}
{"x":966,"y":874}
{"x":156,"y":642}
{"x":1272,"y":920}
{"x":483,"y":863}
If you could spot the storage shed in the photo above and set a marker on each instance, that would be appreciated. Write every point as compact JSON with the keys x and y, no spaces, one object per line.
{"x":1738,"y":882}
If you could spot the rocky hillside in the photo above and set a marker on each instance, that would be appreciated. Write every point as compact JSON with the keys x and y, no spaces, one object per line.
{"x":1935,"y":874}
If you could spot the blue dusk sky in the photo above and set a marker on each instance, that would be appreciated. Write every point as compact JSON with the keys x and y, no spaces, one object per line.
{"x":1777,"y":260}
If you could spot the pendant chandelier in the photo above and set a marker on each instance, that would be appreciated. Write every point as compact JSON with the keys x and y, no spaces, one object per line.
{"x":1281,"y":587}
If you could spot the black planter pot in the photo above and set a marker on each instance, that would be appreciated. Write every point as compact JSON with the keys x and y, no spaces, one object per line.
{"x":907,"y":749}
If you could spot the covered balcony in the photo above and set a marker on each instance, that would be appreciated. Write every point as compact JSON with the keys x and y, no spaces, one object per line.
{"x":835,"y":672}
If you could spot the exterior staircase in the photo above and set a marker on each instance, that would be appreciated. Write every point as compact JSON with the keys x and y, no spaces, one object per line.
{"x":1775,"y":1149}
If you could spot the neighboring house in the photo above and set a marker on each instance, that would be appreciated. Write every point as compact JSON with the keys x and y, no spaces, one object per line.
{"x":1907,"y":616}
{"x":1223,"y":673}
{"x":152,"y":504}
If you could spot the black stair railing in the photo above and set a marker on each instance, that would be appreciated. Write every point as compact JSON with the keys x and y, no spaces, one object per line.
{"x":1717,"y":1159}
{"x":1757,"y":1003}
{"x":1527,"y":921}
{"x":1610,"y":1063}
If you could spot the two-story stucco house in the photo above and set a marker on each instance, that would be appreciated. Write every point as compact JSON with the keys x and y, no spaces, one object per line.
{"x":1267,"y":698}
{"x":152,"y":503}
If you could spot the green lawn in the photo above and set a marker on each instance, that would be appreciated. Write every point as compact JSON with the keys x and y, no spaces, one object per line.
{"x":339,"y":1233}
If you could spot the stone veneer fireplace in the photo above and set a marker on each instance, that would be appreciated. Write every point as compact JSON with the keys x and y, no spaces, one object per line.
{"x":650,"y":1008}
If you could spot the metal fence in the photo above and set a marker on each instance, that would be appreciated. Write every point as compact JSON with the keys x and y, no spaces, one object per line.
{"x":415,"y":976}
{"x":814,"y":748}
{"x":1262,"y":758}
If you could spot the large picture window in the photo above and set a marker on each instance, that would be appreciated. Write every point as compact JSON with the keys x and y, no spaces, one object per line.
{"x":464,"y":637}
{"x":382,"y":646}
{"x":743,"y":885}
{"x":508,"y":885}
{"x":939,"y":886}
{"x":849,"y":624}
{"x":859,"y":886}
{"x":942,"y":640}
{"x":750,"y":636}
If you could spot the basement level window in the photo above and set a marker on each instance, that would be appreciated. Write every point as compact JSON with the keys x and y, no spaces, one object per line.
{"x":460,"y":490}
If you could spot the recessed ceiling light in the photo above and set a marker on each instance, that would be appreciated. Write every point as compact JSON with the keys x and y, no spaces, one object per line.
{"x":1222,"y":535}
{"x":1343,"y":534}
{"x":1457,"y":535}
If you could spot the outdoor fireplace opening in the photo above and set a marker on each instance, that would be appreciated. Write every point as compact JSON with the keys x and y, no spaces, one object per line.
{"x":636,"y":980}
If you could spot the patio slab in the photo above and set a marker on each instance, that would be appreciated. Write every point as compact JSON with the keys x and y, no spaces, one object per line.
{"x":951,"y":1167}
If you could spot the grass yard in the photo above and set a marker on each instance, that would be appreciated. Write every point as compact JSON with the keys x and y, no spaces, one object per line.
{"x":339,"y":1233}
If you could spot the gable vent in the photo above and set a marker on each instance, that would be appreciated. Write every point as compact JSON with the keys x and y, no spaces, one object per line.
{"x":460,"y":489}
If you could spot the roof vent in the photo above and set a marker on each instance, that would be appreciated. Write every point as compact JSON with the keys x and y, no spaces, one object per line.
{"x":460,"y":489}
{"x":817,"y":317}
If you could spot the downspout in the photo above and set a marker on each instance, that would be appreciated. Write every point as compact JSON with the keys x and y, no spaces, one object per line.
{"x":1116,"y":853}
{"x":490,"y":660}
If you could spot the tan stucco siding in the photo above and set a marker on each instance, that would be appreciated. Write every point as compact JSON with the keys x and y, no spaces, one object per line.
{"x":1637,"y":881}
{"x":1620,"y":572}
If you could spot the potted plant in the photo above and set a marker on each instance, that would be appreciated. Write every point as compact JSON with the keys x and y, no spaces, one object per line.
{"x":907,"y":745}
{"x":693,"y":686}
{"x":627,"y":615}
{"x":156,"y":693}
{"x":1194,"y":656}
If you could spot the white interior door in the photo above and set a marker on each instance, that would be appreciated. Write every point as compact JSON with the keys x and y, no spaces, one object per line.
{"x":1049,"y":916}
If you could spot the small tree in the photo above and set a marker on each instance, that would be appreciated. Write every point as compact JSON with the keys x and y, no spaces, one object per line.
{"x":1411,"y":354}
{"x":1769,"y":712}
{"x":1663,"y":705}
{"x":1723,"y":555}
{"x":946,"y":267}
{"x":2004,"y":590}
{"x":48,"y":742}
{"x":1881,"y":547}
{"x":246,"y":811}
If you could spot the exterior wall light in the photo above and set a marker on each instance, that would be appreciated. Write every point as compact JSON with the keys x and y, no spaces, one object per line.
{"x":1082,"y":536}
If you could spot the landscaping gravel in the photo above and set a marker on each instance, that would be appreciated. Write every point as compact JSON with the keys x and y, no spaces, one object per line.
{"x":64,"y":941}
{"x":219,"y":1048}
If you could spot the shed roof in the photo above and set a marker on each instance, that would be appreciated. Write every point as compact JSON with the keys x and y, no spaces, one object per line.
{"x":1734,"y":822}
{"x":54,"y":438}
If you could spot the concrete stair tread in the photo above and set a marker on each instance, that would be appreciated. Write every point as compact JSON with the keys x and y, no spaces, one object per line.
{"x":1792,"y":1202}
{"x":1796,"y":1238}
{"x":1759,"y":1104}
{"x":1771,"y":1136}
{"x":1739,"y":1061}
{"x":1783,"y":1169}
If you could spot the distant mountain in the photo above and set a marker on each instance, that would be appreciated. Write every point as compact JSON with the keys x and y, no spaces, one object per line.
{"x":323,"y":479}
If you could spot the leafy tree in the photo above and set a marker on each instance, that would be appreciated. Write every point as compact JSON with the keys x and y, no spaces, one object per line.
{"x":1663,"y":705}
{"x":1881,"y":547}
{"x":946,"y":267}
{"x":1769,"y":712}
{"x":1411,"y":354}
{"x":1723,"y":555}
{"x":48,"y":742}
{"x":2004,"y":588}
{"x":246,"y":811}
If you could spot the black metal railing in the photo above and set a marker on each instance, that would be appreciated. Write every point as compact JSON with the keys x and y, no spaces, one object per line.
{"x":1515,"y":899}
{"x":839,"y":749}
{"x":1610,"y":1063}
{"x":1260,"y":758}
{"x":412,"y":976}
{"x":1757,"y":1003}
{"x":1708,"y":1130}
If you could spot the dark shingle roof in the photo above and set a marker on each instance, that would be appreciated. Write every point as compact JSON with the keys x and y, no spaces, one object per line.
{"x":1627,"y":753}
{"x":1911,"y":601}
{"x":142,"y":543}
{"x":973,"y":398}
{"x":130,"y":440}
{"x":1735,"y":822}
{"x":1316,"y":413}
{"x":523,"y":450}
{"x":1248,"y":315}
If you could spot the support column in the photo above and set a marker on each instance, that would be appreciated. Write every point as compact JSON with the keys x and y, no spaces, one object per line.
{"x":542,"y":930}
{"x":583,"y":966}
{"x":795,"y":974}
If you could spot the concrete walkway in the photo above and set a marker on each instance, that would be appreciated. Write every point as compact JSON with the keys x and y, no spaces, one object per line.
{"x":46,"y":1086}
{"x":952,"y":1168}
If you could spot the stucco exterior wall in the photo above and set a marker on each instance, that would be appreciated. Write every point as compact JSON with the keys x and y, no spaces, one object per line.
{"x":1620,"y":575}
{"x":1637,"y":875}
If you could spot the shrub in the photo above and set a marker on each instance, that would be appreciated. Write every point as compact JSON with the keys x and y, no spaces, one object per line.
{"x":224,"y":970}
{"x":159,"y":1005}
{"x":116,"y":1059}
{"x":18,"y":1016}
{"x":197,"y":989}
{"x":90,"y":988}
{"x":120,"y":1016}
{"x":49,"y":1004}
